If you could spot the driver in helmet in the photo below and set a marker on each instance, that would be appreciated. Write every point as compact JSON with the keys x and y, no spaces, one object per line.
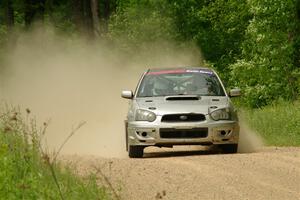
{"x":161,"y":88}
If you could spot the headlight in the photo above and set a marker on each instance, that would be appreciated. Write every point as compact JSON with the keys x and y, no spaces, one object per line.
{"x":220,"y":114}
{"x":144,"y":115}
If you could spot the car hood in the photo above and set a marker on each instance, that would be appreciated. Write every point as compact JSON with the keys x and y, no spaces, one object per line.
{"x":161,"y":106}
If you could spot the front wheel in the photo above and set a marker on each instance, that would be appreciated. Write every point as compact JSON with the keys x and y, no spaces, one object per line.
{"x":135,"y":151}
{"x":229,"y":148}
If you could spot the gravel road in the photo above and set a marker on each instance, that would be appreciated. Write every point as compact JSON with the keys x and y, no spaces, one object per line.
{"x":194,"y":173}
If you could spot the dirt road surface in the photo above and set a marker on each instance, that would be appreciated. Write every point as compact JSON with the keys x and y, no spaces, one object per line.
{"x":271,"y":173}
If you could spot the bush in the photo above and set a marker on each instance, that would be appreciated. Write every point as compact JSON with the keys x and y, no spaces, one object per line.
{"x":267,"y":70}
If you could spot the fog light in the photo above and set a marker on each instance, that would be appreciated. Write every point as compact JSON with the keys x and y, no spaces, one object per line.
{"x":144,"y":134}
{"x":223,"y":133}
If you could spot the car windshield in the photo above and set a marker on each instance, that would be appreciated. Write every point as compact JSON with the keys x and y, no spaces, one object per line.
{"x":180,"y":82}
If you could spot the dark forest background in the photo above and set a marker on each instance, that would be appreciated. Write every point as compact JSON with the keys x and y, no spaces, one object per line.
{"x":253,"y":44}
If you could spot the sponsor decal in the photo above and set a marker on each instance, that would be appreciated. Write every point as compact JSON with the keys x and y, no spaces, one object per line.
{"x":181,"y":71}
{"x":199,"y":71}
{"x":178,"y":71}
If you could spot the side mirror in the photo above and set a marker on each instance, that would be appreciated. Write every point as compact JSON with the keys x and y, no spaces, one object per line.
{"x":127,"y":94}
{"x":235,"y":92}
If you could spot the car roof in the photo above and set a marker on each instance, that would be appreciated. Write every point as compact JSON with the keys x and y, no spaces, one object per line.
{"x":179,"y":68}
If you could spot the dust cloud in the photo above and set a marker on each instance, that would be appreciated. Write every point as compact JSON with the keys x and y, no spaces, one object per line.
{"x":249,"y":140}
{"x":69,"y":81}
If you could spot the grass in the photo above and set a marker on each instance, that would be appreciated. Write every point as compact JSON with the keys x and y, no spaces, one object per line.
{"x":278,"y":124}
{"x":27,"y":172}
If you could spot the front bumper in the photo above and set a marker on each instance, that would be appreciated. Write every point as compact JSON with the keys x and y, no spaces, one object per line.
{"x":148,"y":133}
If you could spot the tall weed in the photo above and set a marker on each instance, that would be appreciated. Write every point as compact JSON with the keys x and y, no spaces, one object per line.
{"x":29,"y":172}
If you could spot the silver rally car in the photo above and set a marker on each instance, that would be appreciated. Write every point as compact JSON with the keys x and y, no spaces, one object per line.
{"x":181,"y":106}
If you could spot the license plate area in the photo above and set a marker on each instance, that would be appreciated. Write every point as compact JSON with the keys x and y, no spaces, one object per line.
{"x":183,"y":133}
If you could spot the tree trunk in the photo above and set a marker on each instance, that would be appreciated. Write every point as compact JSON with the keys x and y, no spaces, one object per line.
{"x":78,"y":15}
{"x":34,"y":11}
{"x":40,"y":10}
{"x":95,"y":16}
{"x":88,"y":18}
{"x":29,"y":13}
{"x":106,"y":15}
{"x":83,"y":17}
{"x":9,"y":15}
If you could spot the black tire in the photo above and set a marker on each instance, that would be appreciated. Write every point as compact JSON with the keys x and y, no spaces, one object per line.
{"x":135,"y":151}
{"x":229,"y":148}
{"x":126,"y":135}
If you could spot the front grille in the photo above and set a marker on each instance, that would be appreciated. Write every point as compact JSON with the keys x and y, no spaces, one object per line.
{"x":183,"y":118}
{"x":183,"y":133}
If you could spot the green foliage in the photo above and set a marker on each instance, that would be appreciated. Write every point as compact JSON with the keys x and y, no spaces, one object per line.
{"x":278,"y":123}
{"x":217,"y":27}
{"x":3,"y":40}
{"x":254,"y":45}
{"x":60,"y":17}
{"x":266,"y":70}
{"x":28,"y":173}
{"x":137,"y":23}
{"x":3,"y":35}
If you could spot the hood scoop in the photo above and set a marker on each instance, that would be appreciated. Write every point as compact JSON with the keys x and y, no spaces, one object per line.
{"x":183,"y":98}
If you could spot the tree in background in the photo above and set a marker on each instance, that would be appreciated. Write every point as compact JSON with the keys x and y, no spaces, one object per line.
{"x":107,"y":9}
{"x":34,"y":11}
{"x":86,"y":17}
{"x":218,"y":27}
{"x":9,"y":14}
{"x":139,"y":22}
{"x":7,"y":20}
{"x":83,"y":17}
{"x":254,"y":44}
{"x":267,"y":70}
{"x":91,"y":17}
